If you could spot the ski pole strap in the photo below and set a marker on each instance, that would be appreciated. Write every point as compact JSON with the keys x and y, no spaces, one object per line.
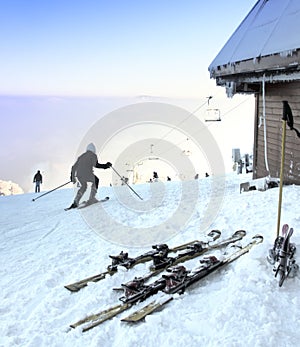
{"x":126,"y":183}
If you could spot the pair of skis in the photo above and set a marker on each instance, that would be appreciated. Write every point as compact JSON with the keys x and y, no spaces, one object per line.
{"x":176,"y":281}
{"x":164,"y":262}
{"x":159,"y":251}
{"x":86,"y":204}
{"x":282,"y":255}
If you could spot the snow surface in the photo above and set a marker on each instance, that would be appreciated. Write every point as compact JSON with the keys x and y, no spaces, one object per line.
{"x":44,"y":248}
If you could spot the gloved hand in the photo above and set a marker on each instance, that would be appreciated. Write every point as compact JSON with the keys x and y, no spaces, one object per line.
{"x":108,"y":165}
{"x":73,"y":178}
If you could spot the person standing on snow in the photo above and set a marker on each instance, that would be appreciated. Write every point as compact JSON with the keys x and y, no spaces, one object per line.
{"x":83,"y":171}
{"x":38,"y":180}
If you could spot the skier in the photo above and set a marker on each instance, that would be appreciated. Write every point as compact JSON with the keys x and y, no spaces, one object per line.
{"x":83,"y":171}
{"x":155,"y":176}
{"x":38,"y":180}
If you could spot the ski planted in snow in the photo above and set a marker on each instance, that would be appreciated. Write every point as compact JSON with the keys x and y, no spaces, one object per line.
{"x":136,"y":291}
{"x":124,"y":260}
{"x":86,"y":204}
{"x":178,"y":279}
{"x":282,"y":255}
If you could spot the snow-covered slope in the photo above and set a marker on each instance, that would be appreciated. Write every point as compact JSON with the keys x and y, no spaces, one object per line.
{"x":43,"y":248}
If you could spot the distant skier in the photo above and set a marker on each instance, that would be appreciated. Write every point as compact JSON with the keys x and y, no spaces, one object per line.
{"x":83,"y":171}
{"x":38,"y":180}
{"x":155,"y":176}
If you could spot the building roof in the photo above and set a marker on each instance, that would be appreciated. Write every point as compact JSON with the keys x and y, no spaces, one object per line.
{"x":271,"y":27}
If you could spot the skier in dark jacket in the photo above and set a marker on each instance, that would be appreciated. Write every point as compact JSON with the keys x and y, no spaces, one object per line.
{"x":83,"y":171}
{"x":38,"y":180}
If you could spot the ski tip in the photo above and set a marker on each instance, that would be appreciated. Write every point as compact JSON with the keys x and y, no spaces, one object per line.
{"x":72,"y":288}
{"x":240,"y":233}
{"x":215,"y":234}
{"x":258,"y":238}
{"x":285,"y":229}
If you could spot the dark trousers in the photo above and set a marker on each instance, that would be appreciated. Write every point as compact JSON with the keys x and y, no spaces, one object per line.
{"x":83,"y":187}
{"x":37,"y":186}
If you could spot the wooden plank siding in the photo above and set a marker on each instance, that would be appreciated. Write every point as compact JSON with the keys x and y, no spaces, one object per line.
{"x":274,"y":95}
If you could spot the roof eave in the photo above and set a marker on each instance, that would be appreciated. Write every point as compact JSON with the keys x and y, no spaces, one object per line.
{"x":246,"y":76}
{"x":284,"y":61}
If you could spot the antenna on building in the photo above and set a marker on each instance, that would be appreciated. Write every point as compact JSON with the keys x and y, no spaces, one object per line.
{"x":208,"y":98}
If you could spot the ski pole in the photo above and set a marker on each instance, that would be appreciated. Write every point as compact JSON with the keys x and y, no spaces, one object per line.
{"x":127,"y":183}
{"x":51,"y":190}
{"x":284,"y":120}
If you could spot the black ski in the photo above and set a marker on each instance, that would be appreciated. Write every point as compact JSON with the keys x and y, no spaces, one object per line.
{"x":124,"y":260}
{"x":86,"y":204}
{"x":178,"y":279}
{"x":160,"y":261}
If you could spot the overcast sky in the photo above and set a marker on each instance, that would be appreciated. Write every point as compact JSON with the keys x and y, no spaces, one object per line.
{"x":60,"y":58}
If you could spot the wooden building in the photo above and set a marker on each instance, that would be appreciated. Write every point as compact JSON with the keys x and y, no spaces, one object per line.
{"x":263,"y":57}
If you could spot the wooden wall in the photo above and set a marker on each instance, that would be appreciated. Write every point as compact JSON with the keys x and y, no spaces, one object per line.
{"x":275,"y":94}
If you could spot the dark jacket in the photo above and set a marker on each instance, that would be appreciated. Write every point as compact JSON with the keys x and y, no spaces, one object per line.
{"x":38,"y":177}
{"x":83,"y":168}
